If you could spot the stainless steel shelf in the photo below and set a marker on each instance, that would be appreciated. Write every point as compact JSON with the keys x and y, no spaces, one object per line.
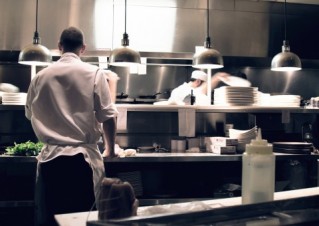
{"x":199,"y":109}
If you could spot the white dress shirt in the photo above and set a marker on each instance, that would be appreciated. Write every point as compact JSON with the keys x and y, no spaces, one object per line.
{"x":66,"y":103}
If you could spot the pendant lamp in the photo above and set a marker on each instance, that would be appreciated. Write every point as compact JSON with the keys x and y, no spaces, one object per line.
{"x":35,"y":53}
{"x":124,"y":56}
{"x":209,"y":58}
{"x":286,"y":60}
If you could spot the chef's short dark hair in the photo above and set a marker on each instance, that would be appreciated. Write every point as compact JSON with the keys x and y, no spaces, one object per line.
{"x":194,"y":79}
{"x":71,"y":39}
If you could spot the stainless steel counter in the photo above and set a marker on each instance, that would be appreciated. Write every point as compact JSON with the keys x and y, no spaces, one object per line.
{"x":168,"y":157}
{"x":287,"y":197}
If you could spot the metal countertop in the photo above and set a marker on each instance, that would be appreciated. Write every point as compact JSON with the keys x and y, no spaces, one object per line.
{"x":167,"y":157}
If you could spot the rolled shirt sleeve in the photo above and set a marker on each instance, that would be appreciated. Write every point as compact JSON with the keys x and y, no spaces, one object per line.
{"x":103,"y":105}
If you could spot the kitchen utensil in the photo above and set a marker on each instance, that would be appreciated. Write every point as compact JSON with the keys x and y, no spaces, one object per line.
{"x":293,"y":147}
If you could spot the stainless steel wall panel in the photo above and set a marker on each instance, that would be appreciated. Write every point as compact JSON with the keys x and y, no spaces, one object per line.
{"x":237,"y":27}
{"x":159,"y":79}
{"x":240,"y":33}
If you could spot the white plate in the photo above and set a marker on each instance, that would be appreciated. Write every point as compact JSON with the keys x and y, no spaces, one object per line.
{"x":8,"y":102}
{"x":19,"y":103}
{"x":7,"y":87}
{"x":237,"y":88}
{"x":14,"y":98}
{"x":235,"y":81}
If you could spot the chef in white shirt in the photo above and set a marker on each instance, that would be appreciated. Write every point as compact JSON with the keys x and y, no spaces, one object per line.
{"x":70,"y":106}
{"x":196,"y":87}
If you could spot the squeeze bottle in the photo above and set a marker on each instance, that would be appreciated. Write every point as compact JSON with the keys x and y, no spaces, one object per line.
{"x":258,"y":171}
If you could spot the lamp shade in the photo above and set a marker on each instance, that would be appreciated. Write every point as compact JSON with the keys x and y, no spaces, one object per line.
{"x":124,"y":57}
{"x":286,"y":60}
{"x":208,"y":59}
{"x":35,"y":54}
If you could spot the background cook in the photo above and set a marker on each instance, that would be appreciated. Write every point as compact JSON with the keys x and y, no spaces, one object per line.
{"x":196,"y":86}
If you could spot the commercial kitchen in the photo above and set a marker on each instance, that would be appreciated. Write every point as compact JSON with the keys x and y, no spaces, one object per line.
{"x":192,"y":184}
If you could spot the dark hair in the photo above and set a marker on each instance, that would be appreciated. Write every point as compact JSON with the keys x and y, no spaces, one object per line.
{"x":194,"y":79}
{"x":71,"y":39}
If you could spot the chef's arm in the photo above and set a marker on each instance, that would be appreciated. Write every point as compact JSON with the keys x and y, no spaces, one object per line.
{"x":109,"y":134}
{"x":113,"y":88}
{"x":112,"y":79}
{"x":214,"y":81}
{"x":216,"y":78}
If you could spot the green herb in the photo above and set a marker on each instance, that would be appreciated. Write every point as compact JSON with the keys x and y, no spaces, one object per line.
{"x":28,"y":148}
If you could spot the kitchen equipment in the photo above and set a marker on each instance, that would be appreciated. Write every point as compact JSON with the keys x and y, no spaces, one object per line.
{"x":123,"y":98}
{"x":146,"y":149}
{"x":148,"y":99}
{"x":152,"y":96}
{"x":293,"y":147}
{"x":121,"y":95}
{"x":178,"y":144}
{"x":151,"y":149}
{"x":144,"y":100}
{"x":125,"y":101}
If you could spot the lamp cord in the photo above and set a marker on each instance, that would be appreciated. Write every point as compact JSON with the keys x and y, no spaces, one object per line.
{"x":285,"y":9}
{"x":36,"y":17}
{"x":125,"y":40}
{"x":208,"y":41}
{"x":36,"y":38}
{"x":125,"y":19}
{"x":207,"y":18}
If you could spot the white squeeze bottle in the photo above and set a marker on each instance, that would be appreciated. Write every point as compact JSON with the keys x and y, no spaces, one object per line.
{"x":258,"y":171}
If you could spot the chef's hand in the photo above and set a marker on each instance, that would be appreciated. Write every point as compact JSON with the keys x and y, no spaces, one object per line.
{"x":109,"y":154}
{"x":216,"y":78}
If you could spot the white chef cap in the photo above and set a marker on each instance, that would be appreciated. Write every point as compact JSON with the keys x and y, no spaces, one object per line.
{"x":199,"y":75}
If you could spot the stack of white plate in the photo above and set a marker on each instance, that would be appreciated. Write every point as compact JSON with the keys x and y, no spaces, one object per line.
{"x":243,"y":136}
{"x":237,"y":96}
{"x":263,"y":99}
{"x":285,"y":100}
{"x":14,"y":98}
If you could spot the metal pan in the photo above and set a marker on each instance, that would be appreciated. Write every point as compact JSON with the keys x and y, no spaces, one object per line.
{"x":149,"y":96}
{"x":121,"y":95}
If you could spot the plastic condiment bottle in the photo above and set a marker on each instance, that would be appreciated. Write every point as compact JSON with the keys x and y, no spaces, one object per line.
{"x":258,"y":171}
